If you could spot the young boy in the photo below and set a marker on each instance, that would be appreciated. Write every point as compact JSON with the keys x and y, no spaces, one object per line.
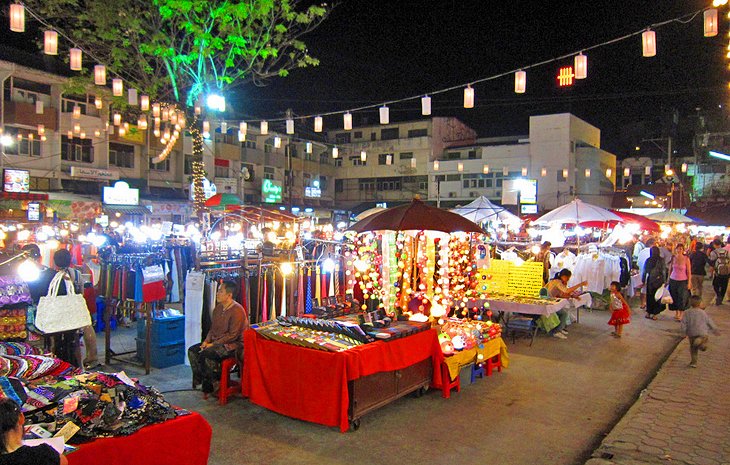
{"x":696,"y":325}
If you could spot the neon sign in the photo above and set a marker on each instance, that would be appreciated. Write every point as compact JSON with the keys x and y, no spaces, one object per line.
{"x":565,"y":76}
{"x":271,"y":191}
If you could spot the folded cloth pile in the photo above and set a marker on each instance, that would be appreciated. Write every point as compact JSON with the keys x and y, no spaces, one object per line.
{"x":18,"y":348}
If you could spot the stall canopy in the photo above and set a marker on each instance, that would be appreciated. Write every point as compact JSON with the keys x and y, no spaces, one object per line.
{"x":416,"y":216}
{"x":222,"y":200}
{"x":668,"y":216}
{"x":577,"y":212}
{"x":627,"y":218}
{"x":368,"y":212}
{"x":259,"y":214}
{"x":481,"y":210}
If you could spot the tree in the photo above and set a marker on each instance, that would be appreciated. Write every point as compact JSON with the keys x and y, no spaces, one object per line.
{"x":178,"y":50}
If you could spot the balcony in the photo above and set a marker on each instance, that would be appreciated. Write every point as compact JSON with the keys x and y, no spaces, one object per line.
{"x":23,"y":113}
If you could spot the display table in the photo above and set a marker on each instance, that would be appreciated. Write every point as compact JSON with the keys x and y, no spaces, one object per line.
{"x":465,"y":357}
{"x":312,"y":385}
{"x":503,"y":306}
{"x":182,"y":440}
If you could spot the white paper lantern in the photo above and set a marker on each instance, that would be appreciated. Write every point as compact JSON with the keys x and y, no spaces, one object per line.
{"x":17,"y":17}
{"x":41,"y":129}
{"x":384,"y":115}
{"x":264,"y":128}
{"x":581,"y":66}
{"x":97,"y":133}
{"x":277,"y":142}
{"x":206,"y":127}
{"x":198,"y":110}
{"x":436,"y":165}
{"x":524,"y":171}
{"x":520,"y":82}
{"x":142,"y":122}
{"x":50,"y":42}
{"x":224,"y":127}
{"x":469,"y":97}
{"x":627,"y":172}
{"x":684,"y":167}
{"x":425,"y":105}
{"x":144,"y":102}
{"x":609,"y":172}
{"x":76,"y":112}
{"x":308,"y":147}
{"x":82,"y":135}
{"x":648,"y":43}
{"x":157,"y":121}
{"x":117,"y":119}
{"x":122,"y":132}
{"x":347,"y":121}
{"x":100,"y":75}
{"x":156,"y":110}
{"x":335,"y":152}
{"x":710,"y":22}
{"x":389,"y":159}
{"x":77,"y":128}
{"x":460,"y":167}
{"x":165,"y":114}
{"x":485,"y":169}
{"x":543,"y":172}
{"x":132,"y":97}
{"x":505,"y":171}
{"x":75,"y":59}
{"x":647,"y":171}
{"x":241,"y":136}
{"x":290,"y":126}
{"x":174,"y":118}
{"x":117,"y":87}
{"x":156,"y":132}
{"x":588,"y":172}
{"x":363,"y":156}
{"x":317,"y":124}
{"x":39,"y":107}
{"x":565,"y":173}
{"x":70,"y":134}
{"x":413,"y":163}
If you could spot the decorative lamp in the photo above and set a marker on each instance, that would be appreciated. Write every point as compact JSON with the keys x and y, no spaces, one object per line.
{"x":132,"y":97}
{"x":144,"y":102}
{"x":425,"y":105}
{"x":41,"y":129}
{"x":647,"y":170}
{"x":648,"y":43}
{"x":39,"y":107}
{"x":436,"y":165}
{"x":277,"y":142}
{"x":122,"y":131}
{"x":565,"y":173}
{"x":684,"y":167}
{"x":384,"y":114}
{"x":347,"y":121}
{"x":505,"y":171}
{"x":524,"y":171}
{"x":206,"y":127}
{"x":520,"y":82}
{"x":317,"y":124}
{"x":543,"y":172}
{"x":413,"y":163}
{"x":609,"y":172}
{"x":117,"y":119}
{"x":224,"y":127}
{"x":142,"y":122}
{"x":363,"y":156}
{"x":308,"y":147}
{"x":156,"y":110}
{"x":17,"y":17}
{"x":243,"y":128}
{"x":76,"y":112}
{"x":241,"y":136}
{"x":581,"y":66}
{"x":588,"y":172}
{"x":710,"y":22}
{"x":627,"y":172}
{"x":469,"y":97}
{"x":289,"y":126}
{"x":264,"y":128}
{"x":335,"y":152}
{"x":100,"y":75}
{"x":50,"y":42}
{"x":77,"y":128}
{"x":75,"y":59}
{"x":485,"y":169}
{"x":117,"y":87}
{"x":389,"y":159}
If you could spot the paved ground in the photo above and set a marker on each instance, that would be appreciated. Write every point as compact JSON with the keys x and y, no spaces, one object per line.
{"x":553,"y":405}
{"x":683,"y":416}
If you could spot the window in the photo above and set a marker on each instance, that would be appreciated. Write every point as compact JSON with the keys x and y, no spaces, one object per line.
{"x":423,"y":185}
{"x":164,"y":165}
{"x":488,"y":183}
{"x":499,"y":183}
{"x":389,"y":184}
{"x":249,"y":144}
{"x":268,"y":148}
{"x":453,"y":177}
{"x":406,"y":155}
{"x":358,"y":135}
{"x":473,"y":155}
{"x":342,"y":138}
{"x":357,"y":161}
{"x":247,"y":167}
{"x":453,"y":155}
{"x":339,"y":185}
{"x":221,"y":171}
{"x":269,"y":172}
{"x":188,"y":164}
{"x":67,"y":106}
{"x":77,"y":149}
{"x":367,"y":184}
{"x":383,"y":158}
{"x":389,"y":134}
{"x":373,"y":136}
{"x":636,"y":179}
{"x":23,"y":146}
{"x":323,"y":183}
{"x":439,"y":178}
{"x":121,"y":155}
{"x":561,"y":178}
{"x":417,"y":132}
{"x":338,"y":162}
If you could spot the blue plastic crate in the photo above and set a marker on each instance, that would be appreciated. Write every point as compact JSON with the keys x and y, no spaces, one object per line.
{"x":164,"y":330}
{"x":163,"y":356}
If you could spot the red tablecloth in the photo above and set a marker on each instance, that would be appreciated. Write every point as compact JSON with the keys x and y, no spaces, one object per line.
{"x":311,"y":385}
{"x":183,"y":440}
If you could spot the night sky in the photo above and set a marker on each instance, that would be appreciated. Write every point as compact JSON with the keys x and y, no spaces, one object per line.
{"x":372,"y":51}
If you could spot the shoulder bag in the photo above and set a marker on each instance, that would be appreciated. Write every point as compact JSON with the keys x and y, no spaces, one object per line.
{"x":58,"y":313}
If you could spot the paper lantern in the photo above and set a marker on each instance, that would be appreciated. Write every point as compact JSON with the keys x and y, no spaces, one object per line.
{"x":520,"y":82}
{"x":144,"y":102}
{"x":317,"y":124}
{"x":206,"y":127}
{"x":505,"y":171}
{"x":41,"y":129}
{"x":122,"y":132}
{"x":156,"y":110}
{"x":389,"y":159}
{"x":39,"y":107}
{"x":363,"y":156}
{"x":241,"y":136}
{"x":157,"y":121}
{"x":17,"y":17}
{"x":156,"y":132}
{"x":684,"y":167}
{"x":97,"y":133}
{"x":384,"y":114}
{"x":290,"y":126}
{"x":132,"y":97}
{"x":76,"y":112}
{"x":648,"y":43}
{"x":50,"y":42}
{"x":243,"y":127}
{"x":117,"y":87}
{"x":82,"y":135}
{"x":413,"y":163}
{"x":581,"y":66}
{"x":469,"y":97}
{"x":264,"y":128}
{"x":647,"y":170}
{"x":347,"y":121}
{"x":425,"y":105}
{"x":142,"y":122}
{"x":485,"y":169}
{"x":166,"y":134}
{"x":609,"y":172}
{"x":335,"y":152}
{"x":174,"y":118}
{"x":70,"y":134}
{"x":198,"y":110}
{"x":436,"y":165}
{"x":460,"y":167}
{"x":308,"y":147}
{"x":588,"y":172}
{"x":627,"y":172}
{"x":100,"y":75}
{"x":165,"y":114}
{"x":524,"y":171}
{"x":543,"y":172}
{"x":117,"y":119}
{"x":565,"y":174}
{"x":710,"y":22}
{"x":44,"y":138}
{"x":277,"y":142}
{"x":75,"y":59}
{"x":77,"y":128}
{"x":224,"y":127}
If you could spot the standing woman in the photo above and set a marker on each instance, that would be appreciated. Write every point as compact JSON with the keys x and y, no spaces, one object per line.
{"x":12,"y":450}
{"x":679,"y":283}
{"x":655,"y":274}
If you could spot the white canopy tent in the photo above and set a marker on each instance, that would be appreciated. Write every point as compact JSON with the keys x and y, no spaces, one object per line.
{"x":577,"y":212}
{"x":482,"y":209}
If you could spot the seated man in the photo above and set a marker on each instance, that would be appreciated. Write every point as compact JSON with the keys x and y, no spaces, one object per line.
{"x":224,"y":340}
{"x":558,"y":288}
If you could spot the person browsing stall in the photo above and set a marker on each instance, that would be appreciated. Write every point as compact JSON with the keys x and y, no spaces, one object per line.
{"x":12,"y":450}
{"x":558,"y":288}
{"x":224,"y":339}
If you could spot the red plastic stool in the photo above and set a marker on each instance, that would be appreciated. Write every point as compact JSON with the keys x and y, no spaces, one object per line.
{"x":447,"y":384}
{"x":228,"y":387}
{"x":494,"y":362}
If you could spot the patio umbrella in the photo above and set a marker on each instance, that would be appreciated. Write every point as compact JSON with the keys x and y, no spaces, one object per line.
{"x":577,"y":212}
{"x":668,"y":216}
{"x":626,"y":218}
{"x":482,"y":209}
{"x":368,"y":212}
{"x":222,"y":200}
{"x":416,"y":216}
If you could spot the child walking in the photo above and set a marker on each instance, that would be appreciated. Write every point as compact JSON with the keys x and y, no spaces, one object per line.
{"x":696,"y":325}
{"x":620,"y":311}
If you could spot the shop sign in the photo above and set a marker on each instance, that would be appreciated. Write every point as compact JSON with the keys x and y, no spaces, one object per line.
{"x":314,"y":192}
{"x":528,"y":191}
{"x":209,"y":189}
{"x":271,"y":191}
{"x":93,"y":173}
{"x":120,"y":194}
{"x":102,"y":220}
{"x":17,"y":181}
{"x":34,"y":211}
{"x":528,"y":209}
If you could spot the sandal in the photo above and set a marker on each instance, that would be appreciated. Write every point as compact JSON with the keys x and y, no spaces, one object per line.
{"x":654,"y":317}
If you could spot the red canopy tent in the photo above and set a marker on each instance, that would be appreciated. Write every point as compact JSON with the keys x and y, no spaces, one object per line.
{"x":643,"y":222}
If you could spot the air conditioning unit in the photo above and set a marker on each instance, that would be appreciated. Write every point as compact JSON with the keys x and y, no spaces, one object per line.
{"x":452,"y":195}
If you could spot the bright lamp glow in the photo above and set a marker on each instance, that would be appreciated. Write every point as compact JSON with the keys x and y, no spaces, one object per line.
{"x":216,"y":102}
{"x":29,"y":271}
{"x":286,"y":268}
{"x":6,"y":140}
{"x":328,"y":265}
{"x":719,"y":155}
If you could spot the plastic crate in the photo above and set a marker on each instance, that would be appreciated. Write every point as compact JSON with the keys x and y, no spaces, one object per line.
{"x":163,"y":356}
{"x":164,"y":330}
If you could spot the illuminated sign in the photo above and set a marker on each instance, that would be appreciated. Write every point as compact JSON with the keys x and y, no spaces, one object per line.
{"x":120,"y":194}
{"x":93,"y":173}
{"x":209,"y":189}
{"x":528,"y":191}
{"x":314,"y":192}
{"x":34,"y":211}
{"x":271,"y":191}
{"x":528,"y":209}
{"x":565,"y":76}
{"x":17,"y":181}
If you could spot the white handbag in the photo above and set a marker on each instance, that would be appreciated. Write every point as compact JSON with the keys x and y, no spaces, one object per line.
{"x":663,"y":295}
{"x":58,"y":313}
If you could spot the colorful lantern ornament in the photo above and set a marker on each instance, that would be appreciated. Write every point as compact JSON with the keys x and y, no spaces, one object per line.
{"x":75,"y":59}
{"x":50,"y":42}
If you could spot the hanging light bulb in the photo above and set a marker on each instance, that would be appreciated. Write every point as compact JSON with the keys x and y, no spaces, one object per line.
{"x":264,"y":128}
{"x":75,"y":59}
{"x":609,"y":172}
{"x":117,"y":119}
{"x":76,"y":112}
{"x":132,"y":97}
{"x":581,"y":66}
{"x":277,"y":142}
{"x":117,"y":87}
{"x":425,"y":105}
{"x":156,"y":110}
{"x":710,"y":22}
{"x":335,"y":152}
{"x":460,"y":167}
{"x":384,"y":114}
{"x":469,"y":97}
{"x":50,"y":42}
{"x":144,"y":102}
{"x":436,"y":165}
{"x":524,"y":171}
{"x":520,"y":82}
{"x":684,"y":167}
{"x":565,"y":173}
{"x":142,"y":122}
{"x":17,"y":17}
{"x":648,"y":43}
{"x":485,"y":169}
{"x":363,"y":156}
{"x":100,"y":75}
{"x":39,"y":107}
{"x":317,"y":124}
{"x":308,"y":147}
{"x":627,"y":172}
{"x":347,"y":121}
{"x":543,"y":172}
{"x":290,"y":126}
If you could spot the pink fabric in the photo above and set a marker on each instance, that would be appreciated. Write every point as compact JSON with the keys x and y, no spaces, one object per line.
{"x":680,"y":268}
